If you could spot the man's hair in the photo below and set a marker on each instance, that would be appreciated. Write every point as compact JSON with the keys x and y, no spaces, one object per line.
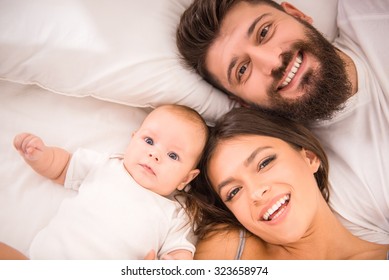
{"x":198,"y":29}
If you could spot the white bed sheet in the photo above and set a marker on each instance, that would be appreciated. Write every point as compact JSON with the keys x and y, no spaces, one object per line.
{"x":28,"y":201}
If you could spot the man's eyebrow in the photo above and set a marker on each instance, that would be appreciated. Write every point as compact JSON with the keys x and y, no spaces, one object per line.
{"x":254,"y":24}
{"x":249,"y":32}
{"x":230,"y":66}
{"x":246,"y":163}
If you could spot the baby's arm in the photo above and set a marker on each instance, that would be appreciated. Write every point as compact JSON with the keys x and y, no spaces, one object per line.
{"x":178,"y":255}
{"x":50,"y":162}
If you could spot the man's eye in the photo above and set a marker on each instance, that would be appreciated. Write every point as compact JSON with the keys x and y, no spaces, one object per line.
{"x":263,"y":32}
{"x":241,"y":71}
{"x":173,"y":156}
{"x":149,"y":141}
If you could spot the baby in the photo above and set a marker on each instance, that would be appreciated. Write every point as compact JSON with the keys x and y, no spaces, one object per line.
{"x":123,"y":209}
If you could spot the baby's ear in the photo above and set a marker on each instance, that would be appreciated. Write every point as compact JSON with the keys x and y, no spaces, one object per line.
{"x":188,"y":178}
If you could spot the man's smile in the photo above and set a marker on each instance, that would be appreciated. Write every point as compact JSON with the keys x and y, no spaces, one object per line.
{"x":292,"y":72}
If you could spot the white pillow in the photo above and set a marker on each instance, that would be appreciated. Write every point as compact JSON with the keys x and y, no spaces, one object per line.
{"x":323,"y":13}
{"x":122,"y":51}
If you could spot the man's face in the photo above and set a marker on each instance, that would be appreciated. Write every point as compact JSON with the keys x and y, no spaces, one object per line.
{"x":271,"y":59}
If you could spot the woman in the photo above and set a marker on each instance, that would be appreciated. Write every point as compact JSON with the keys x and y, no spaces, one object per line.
{"x":263,"y":194}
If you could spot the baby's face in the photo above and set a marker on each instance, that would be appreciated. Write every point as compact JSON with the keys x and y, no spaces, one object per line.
{"x":163,"y":153}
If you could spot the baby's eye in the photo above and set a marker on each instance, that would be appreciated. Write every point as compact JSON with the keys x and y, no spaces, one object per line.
{"x":233,"y":193}
{"x":265,"y":162}
{"x":149,"y":141}
{"x":263,"y":32}
{"x":173,"y":156}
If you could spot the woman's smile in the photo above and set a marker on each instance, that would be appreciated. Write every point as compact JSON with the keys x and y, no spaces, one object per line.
{"x":275,"y":211}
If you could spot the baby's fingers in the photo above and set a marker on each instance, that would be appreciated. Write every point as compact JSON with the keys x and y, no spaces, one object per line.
{"x":28,"y":145}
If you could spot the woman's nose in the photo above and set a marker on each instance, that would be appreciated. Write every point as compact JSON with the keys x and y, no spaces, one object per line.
{"x":259,"y":192}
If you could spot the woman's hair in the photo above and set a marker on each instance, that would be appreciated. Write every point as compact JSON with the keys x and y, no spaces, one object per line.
{"x":242,"y":122}
{"x":198,"y":29}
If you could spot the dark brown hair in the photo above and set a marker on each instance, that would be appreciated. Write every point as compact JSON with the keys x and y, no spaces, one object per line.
{"x":242,"y":121}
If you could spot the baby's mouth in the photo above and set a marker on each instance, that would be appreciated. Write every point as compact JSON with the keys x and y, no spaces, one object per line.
{"x":148,"y":169}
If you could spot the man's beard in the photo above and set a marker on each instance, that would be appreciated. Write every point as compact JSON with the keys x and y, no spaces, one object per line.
{"x":325,"y":90}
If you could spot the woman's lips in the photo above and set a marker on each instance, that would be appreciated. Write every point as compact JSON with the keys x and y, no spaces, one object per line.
{"x":276,"y":209}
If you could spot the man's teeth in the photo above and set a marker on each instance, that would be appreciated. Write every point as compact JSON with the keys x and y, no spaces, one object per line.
{"x":293,"y":71}
{"x":275,"y":207}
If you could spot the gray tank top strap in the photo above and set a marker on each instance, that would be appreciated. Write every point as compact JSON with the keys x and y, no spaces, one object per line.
{"x":242,"y":241}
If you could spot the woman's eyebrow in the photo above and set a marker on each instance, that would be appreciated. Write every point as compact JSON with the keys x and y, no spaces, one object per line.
{"x":252,"y":156}
{"x":223,"y":184}
{"x":246,"y":163}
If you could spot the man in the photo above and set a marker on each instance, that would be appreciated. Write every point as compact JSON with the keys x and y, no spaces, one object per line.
{"x":268,"y":55}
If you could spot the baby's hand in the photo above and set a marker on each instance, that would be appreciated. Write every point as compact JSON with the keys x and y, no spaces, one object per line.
{"x":166,"y":257}
{"x":150,"y":255}
{"x":29,"y":146}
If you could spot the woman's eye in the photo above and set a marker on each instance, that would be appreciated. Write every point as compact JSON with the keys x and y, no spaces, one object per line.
{"x":173,"y":156}
{"x":149,"y":141}
{"x":265,"y":162}
{"x":263,"y":32}
{"x":233,"y":193}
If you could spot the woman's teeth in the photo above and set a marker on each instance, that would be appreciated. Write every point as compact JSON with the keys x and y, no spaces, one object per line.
{"x":276,"y":206}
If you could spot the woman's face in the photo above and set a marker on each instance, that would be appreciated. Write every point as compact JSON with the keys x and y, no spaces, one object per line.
{"x":268,"y":185}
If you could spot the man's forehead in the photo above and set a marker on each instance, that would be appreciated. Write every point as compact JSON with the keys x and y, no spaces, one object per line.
{"x":245,"y":8}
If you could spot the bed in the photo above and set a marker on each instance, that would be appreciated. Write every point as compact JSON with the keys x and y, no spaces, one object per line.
{"x":84,"y":73}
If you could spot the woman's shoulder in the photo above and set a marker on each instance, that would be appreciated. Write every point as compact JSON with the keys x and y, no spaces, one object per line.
{"x":230,"y":244}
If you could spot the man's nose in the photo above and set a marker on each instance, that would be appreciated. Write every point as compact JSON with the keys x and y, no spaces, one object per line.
{"x":265,"y":59}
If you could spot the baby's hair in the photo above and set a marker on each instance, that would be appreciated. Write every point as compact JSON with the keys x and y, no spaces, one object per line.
{"x":190,"y":114}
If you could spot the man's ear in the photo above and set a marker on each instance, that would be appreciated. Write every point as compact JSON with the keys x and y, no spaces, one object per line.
{"x":312,"y":160}
{"x":293,"y":11}
{"x":239,"y":100}
{"x":188,"y":178}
